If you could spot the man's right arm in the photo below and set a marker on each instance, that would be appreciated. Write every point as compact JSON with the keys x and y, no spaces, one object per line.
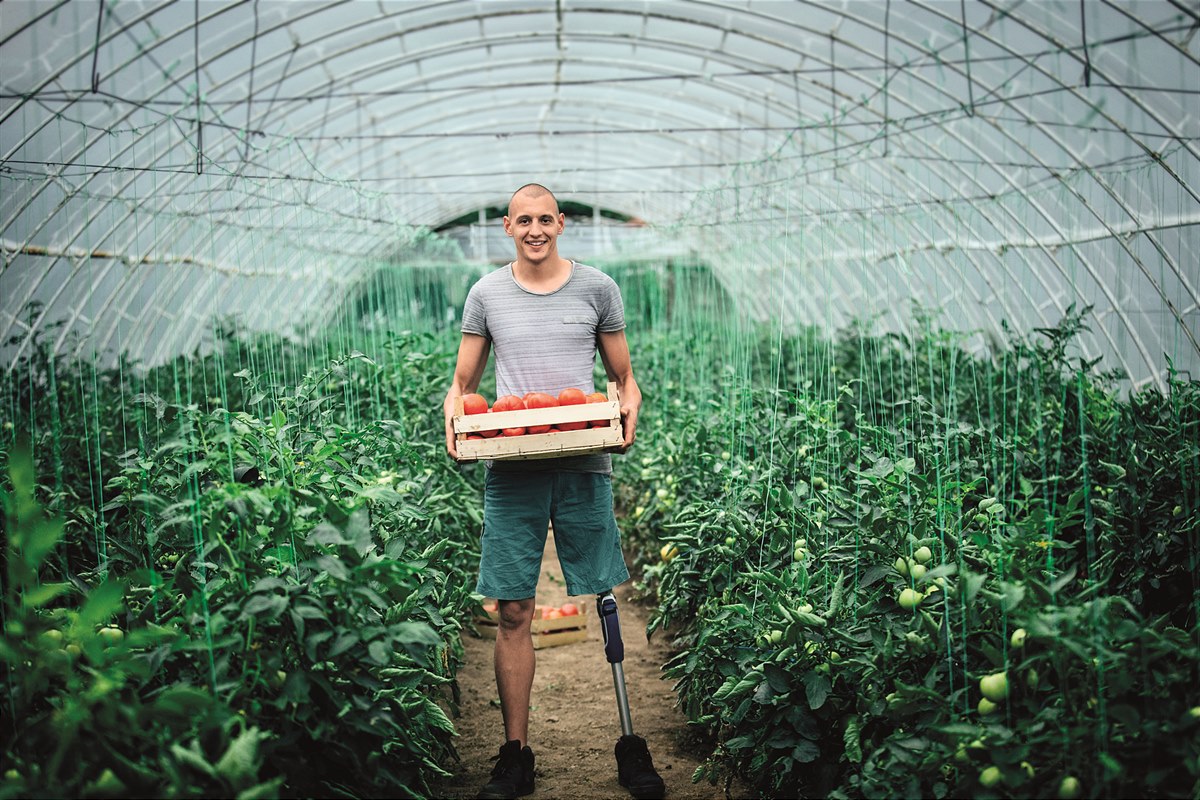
{"x":468,"y":370}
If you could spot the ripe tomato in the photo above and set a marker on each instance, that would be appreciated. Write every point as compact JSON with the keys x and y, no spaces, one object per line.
{"x":540,"y":400}
{"x":554,"y":613}
{"x":474,"y":404}
{"x":509,"y":402}
{"x":571,"y":397}
{"x":598,"y":397}
{"x":569,"y":610}
{"x":474,"y":436}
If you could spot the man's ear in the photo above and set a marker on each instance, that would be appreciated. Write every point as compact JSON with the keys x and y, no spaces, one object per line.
{"x":507,"y":225}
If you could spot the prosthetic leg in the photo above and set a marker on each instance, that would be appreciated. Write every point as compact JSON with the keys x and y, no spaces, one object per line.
{"x":635,"y":769}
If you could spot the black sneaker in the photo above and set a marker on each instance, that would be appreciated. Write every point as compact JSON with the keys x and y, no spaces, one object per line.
{"x":513,"y":774}
{"x":635,"y":769}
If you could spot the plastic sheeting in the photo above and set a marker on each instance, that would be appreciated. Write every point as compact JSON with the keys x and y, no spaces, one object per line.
{"x":166,"y":164}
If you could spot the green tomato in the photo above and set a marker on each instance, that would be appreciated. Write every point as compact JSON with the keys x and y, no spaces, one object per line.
{"x":806,"y":608}
{"x":111,"y":634}
{"x":909,"y":599}
{"x":902,"y":566}
{"x":1018,"y":638}
{"x":1194,"y":712}
{"x":995,"y":686}
{"x":986,"y":706}
{"x":799,"y":554}
{"x":730,"y":540}
{"x":990,"y":776}
{"x":917,"y":571}
{"x":923,"y":555}
{"x":776,"y":636}
{"x":834,"y":656}
{"x":12,"y":775}
{"x":52,"y":637}
{"x":1069,"y":788}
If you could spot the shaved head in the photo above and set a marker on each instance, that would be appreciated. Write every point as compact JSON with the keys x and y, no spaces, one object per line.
{"x":532,"y":191}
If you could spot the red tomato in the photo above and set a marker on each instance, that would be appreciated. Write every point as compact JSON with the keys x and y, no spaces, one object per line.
{"x":509,"y":402}
{"x":598,"y":397}
{"x":553,"y":613}
{"x":474,"y":436}
{"x":540,"y":400}
{"x":569,"y":609}
{"x":572,"y":397}
{"x":474,"y":404}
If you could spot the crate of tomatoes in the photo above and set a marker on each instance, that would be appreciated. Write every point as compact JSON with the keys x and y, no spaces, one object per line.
{"x":552,"y":625}
{"x":538,"y":425}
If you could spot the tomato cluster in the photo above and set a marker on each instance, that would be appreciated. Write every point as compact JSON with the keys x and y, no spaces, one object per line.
{"x":478,"y":404}
{"x":541,"y":611}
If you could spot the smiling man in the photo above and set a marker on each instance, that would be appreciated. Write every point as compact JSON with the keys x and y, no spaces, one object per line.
{"x":545,"y":317}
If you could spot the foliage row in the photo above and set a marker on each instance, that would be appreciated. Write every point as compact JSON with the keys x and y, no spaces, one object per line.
{"x":894,"y":568}
{"x":219,"y":583}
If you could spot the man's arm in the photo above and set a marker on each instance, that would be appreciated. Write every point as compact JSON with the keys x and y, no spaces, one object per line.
{"x":614,"y":352}
{"x":472,"y":358}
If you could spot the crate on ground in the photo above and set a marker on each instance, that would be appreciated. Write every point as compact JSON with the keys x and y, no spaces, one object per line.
{"x":554,"y":444}
{"x":547,"y":632}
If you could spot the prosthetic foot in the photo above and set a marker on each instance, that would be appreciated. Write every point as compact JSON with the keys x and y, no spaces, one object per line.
{"x":635,"y":768}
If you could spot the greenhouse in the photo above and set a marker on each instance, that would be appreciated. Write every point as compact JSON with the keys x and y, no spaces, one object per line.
{"x":911,"y":291}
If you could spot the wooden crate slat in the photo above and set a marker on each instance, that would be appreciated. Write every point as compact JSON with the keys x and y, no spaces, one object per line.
{"x":554,"y":444}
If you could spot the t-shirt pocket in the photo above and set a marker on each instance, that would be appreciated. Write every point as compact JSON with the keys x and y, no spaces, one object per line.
{"x":578,"y":319}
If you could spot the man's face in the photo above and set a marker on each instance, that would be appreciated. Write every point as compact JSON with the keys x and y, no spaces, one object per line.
{"x":534,"y":223}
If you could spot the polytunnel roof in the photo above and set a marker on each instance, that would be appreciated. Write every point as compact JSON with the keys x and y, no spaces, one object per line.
{"x":163,"y":163}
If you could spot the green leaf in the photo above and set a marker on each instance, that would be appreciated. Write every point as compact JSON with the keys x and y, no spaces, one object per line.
{"x":852,"y":740}
{"x":240,"y":762}
{"x":38,"y":596}
{"x":380,"y":651}
{"x":102,"y":602}
{"x":192,"y":757}
{"x":342,"y":643}
{"x":817,"y":688}
{"x":806,"y":752}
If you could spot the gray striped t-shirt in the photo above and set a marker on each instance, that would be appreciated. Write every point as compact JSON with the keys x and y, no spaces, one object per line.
{"x":545,"y":342}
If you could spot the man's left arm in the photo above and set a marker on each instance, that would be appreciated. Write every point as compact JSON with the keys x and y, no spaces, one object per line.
{"x":614,"y":352}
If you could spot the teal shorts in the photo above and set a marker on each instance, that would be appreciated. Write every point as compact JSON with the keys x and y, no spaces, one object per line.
{"x":518,"y":508}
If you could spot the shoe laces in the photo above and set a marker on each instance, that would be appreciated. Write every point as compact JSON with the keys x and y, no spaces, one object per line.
{"x":507,"y":761}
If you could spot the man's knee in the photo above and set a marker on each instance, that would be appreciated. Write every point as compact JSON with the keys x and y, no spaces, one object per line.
{"x":516,"y":615}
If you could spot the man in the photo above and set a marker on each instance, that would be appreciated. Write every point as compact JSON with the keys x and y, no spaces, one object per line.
{"x":545,"y":317}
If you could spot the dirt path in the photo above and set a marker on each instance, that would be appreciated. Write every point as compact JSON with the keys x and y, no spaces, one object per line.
{"x":573,"y":722}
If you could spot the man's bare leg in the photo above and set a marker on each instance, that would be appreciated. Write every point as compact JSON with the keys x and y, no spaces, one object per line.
{"x":515,"y":662}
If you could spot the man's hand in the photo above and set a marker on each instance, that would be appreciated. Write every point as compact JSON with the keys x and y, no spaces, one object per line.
{"x":472,"y":358}
{"x":614,"y":352}
{"x":629,"y":415}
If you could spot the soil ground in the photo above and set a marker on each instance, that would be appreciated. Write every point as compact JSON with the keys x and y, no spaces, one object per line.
{"x":573,"y":723}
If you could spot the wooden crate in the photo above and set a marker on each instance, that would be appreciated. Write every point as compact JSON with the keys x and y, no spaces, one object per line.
{"x":546,"y":632}
{"x":540,"y":445}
